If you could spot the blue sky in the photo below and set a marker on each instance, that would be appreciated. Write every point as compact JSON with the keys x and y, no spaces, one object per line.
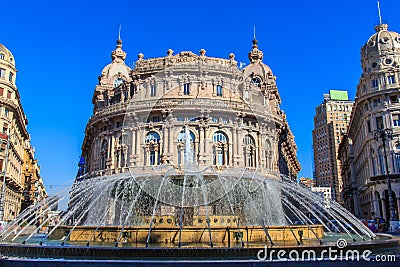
{"x":61,"y":47}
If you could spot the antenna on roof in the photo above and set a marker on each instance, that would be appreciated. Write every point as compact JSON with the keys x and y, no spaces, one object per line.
{"x":119,"y":32}
{"x":379,"y":12}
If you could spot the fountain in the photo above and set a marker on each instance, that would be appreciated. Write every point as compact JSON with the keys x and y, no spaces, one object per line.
{"x":194,"y":173}
{"x":233,"y":212}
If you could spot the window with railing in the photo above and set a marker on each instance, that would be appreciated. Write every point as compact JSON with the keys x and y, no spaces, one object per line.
{"x":220,"y":149}
{"x":219,"y":90}
{"x":391,"y":79}
{"x":153,"y":90}
{"x":396,"y":120}
{"x":186,"y":89}
{"x":374,"y":83}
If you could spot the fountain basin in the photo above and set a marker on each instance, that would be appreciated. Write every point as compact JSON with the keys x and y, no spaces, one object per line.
{"x":174,"y":253}
{"x":223,"y":236}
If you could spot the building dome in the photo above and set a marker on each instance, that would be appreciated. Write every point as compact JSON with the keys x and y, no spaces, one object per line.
{"x":257,"y":67}
{"x":381,"y":51}
{"x":382,"y":41}
{"x":380,"y":61}
{"x":117,"y":71}
{"x":6,"y":55}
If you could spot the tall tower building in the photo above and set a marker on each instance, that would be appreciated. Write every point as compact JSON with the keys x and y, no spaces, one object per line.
{"x":330,"y":122}
{"x":14,"y":139}
{"x":377,"y":106}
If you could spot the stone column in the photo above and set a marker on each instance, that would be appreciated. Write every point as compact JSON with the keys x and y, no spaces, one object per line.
{"x":375,"y":206}
{"x":240,"y":149}
{"x":398,"y":206}
{"x":383,"y":207}
{"x":232,"y":153}
{"x":170,"y":138}
{"x":201,"y":141}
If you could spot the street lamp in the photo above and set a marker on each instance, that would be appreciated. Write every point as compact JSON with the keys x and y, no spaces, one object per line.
{"x":3,"y":190}
{"x":386,"y":134}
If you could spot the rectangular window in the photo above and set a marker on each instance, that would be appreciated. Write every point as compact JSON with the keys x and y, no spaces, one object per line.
{"x":156,"y":119}
{"x":391,"y":79}
{"x":246,"y":95}
{"x":377,"y":102}
{"x":397,"y":162}
{"x":374,"y":83}
{"x":153,"y":90}
{"x":394,"y":99}
{"x":10,"y":77}
{"x":2,"y":73}
{"x":1,"y":91}
{"x":186,"y":89}
{"x":8,"y":95}
{"x":369,"y":126}
{"x":379,"y":122}
{"x":219,"y":90}
{"x":396,"y":120}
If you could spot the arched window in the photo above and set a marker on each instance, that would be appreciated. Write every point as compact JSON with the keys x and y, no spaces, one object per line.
{"x":220,"y":149}
{"x":256,"y":81}
{"x":249,"y":151}
{"x":220,"y":137}
{"x":103,"y":154}
{"x":118,"y":81}
{"x":182,"y":146}
{"x":120,"y":153}
{"x":152,"y":149}
{"x":1,"y":56}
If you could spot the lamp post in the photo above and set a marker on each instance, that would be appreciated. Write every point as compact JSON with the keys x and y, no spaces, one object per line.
{"x":3,"y":190}
{"x":386,"y":134}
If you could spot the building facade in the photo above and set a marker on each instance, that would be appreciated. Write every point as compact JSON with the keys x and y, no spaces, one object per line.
{"x":13,"y":139}
{"x":325,"y":192}
{"x":232,"y":115}
{"x":307,"y":182}
{"x":34,"y":190}
{"x":330,"y":122}
{"x":376,"y":107}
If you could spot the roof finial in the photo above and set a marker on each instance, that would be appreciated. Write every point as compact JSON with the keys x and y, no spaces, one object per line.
{"x":254,"y":31}
{"x":379,"y":13}
{"x":119,"y":32}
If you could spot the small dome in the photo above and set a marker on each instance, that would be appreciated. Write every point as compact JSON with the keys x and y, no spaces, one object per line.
{"x":382,"y":41}
{"x":117,"y":69}
{"x":256,"y":66}
{"x":8,"y":56}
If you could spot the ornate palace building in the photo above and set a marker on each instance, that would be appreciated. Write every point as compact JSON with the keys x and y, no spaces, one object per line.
{"x":13,"y":129}
{"x":377,"y":106}
{"x":232,"y":115}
